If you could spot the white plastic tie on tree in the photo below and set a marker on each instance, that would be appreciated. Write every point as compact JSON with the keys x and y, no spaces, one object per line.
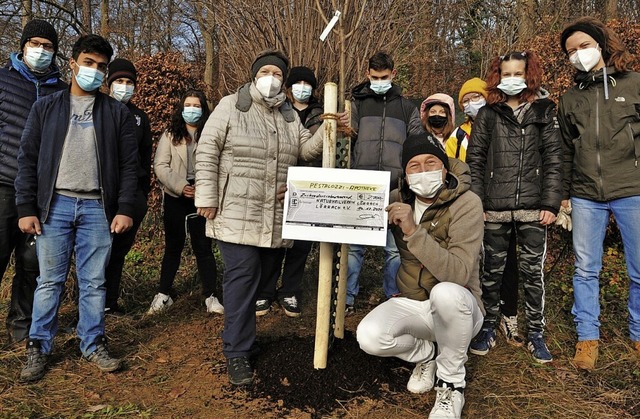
{"x":330,"y":25}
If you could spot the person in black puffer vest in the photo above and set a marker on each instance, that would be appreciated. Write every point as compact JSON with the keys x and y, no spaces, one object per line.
{"x":515,"y":156}
{"x":29,"y":75}
{"x":382,"y":119}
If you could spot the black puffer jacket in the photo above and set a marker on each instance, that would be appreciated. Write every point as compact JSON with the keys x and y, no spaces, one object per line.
{"x":382,"y":122}
{"x":517,"y":166}
{"x":19,"y":89}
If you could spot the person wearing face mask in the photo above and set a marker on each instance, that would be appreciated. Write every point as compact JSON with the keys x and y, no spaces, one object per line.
{"x":515,"y":156}
{"x":75,"y":189}
{"x":121,"y":83}
{"x":301,"y":84}
{"x":437,"y":223}
{"x":437,"y":113}
{"x":246,"y":148}
{"x":174,"y":165}
{"x":600,"y":124}
{"x":29,"y":75}
{"x":471,"y":99}
{"x":381,"y":119}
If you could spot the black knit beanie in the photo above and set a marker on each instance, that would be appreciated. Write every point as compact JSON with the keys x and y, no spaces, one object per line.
{"x":424,"y":143}
{"x":119,"y":68}
{"x":41,"y":29}
{"x":297,"y":74}
{"x":591,"y":30}
{"x":271,"y":57}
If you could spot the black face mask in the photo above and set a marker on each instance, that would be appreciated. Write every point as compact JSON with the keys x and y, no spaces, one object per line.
{"x":437,"y":121}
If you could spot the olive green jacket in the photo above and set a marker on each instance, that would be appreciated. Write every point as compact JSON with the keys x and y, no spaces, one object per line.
{"x":601,"y":137}
{"x":446,"y":246}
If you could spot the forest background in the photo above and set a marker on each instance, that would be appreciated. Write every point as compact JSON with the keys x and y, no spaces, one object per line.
{"x":437,"y":45}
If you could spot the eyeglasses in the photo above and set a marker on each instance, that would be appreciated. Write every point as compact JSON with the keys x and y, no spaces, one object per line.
{"x":47,"y":46}
{"x":472,"y":99}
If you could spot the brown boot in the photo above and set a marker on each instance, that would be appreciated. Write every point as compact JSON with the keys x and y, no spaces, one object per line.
{"x":636,"y":346}
{"x":586,"y":354}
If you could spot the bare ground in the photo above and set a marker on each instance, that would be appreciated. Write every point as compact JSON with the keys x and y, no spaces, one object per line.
{"x":175,"y":367}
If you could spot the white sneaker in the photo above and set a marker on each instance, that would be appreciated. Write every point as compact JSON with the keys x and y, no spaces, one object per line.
{"x":160,"y":302}
{"x":449,"y":403}
{"x":423,"y":377}
{"x":213,"y":305}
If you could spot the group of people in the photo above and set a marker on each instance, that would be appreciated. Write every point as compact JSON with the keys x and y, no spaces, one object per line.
{"x":468,"y":212}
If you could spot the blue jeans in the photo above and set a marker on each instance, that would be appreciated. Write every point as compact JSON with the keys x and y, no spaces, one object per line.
{"x":590,"y":219}
{"x":80,"y":226}
{"x":391,"y":266}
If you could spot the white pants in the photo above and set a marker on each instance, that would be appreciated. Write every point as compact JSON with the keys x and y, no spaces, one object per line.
{"x":407,"y":328}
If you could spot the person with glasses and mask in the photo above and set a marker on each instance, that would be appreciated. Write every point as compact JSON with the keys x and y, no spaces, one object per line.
{"x":301,"y":89}
{"x":437,"y":223}
{"x":29,"y":75}
{"x":600,"y":123}
{"x":472,"y":97}
{"x":174,"y":165}
{"x":75,"y":189}
{"x":515,"y":156}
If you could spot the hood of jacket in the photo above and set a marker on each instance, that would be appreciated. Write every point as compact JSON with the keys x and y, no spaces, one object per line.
{"x":51,"y":76}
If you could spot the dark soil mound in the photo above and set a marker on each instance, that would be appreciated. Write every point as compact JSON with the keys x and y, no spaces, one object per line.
{"x":285,"y":373}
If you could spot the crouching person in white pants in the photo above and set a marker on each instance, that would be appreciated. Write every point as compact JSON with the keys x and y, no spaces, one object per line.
{"x":437,"y":223}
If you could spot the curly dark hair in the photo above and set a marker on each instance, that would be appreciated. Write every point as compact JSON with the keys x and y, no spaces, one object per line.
{"x":178,"y":128}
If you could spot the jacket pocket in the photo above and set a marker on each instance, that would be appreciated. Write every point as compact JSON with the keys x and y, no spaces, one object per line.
{"x":224,"y":194}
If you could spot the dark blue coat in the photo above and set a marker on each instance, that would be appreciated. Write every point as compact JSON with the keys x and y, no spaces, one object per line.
{"x":41,"y":151}
{"x":19,"y":89}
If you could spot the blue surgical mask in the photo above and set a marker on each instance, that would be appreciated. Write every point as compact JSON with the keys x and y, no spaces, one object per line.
{"x":380,"y":87}
{"x":89,"y":79}
{"x":301,"y":92}
{"x":122,"y":92}
{"x":191,"y":114}
{"x":471,"y":109}
{"x":38,"y":58}
{"x":512,"y":86}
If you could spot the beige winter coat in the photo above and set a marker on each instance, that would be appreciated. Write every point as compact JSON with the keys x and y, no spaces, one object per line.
{"x":242,"y":159}
{"x":170,"y":165}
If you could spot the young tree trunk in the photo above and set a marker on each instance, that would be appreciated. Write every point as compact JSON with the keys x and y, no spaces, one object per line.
{"x":27,"y":12}
{"x":86,"y":16}
{"x":105,"y":31}
{"x":611,"y":11}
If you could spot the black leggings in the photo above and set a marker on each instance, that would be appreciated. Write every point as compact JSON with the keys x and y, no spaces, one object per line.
{"x":176,"y":211}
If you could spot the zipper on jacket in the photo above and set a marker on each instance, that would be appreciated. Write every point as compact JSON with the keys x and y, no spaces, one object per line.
{"x":384,"y":115}
{"x":598,"y":161}
{"x":38,"y":90}
{"x":633,"y":145}
{"x":45,"y":213}
{"x":520,"y":160}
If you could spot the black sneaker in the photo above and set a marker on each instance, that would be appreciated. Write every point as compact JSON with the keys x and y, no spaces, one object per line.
{"x":262,"y":307}
{"x":240,"y":371}
{"x":101,"y":358}
{"x":290,"y":306}
{"x":36,"y":362}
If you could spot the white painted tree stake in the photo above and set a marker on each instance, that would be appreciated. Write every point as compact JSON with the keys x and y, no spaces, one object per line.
{"x":323,"y":316}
